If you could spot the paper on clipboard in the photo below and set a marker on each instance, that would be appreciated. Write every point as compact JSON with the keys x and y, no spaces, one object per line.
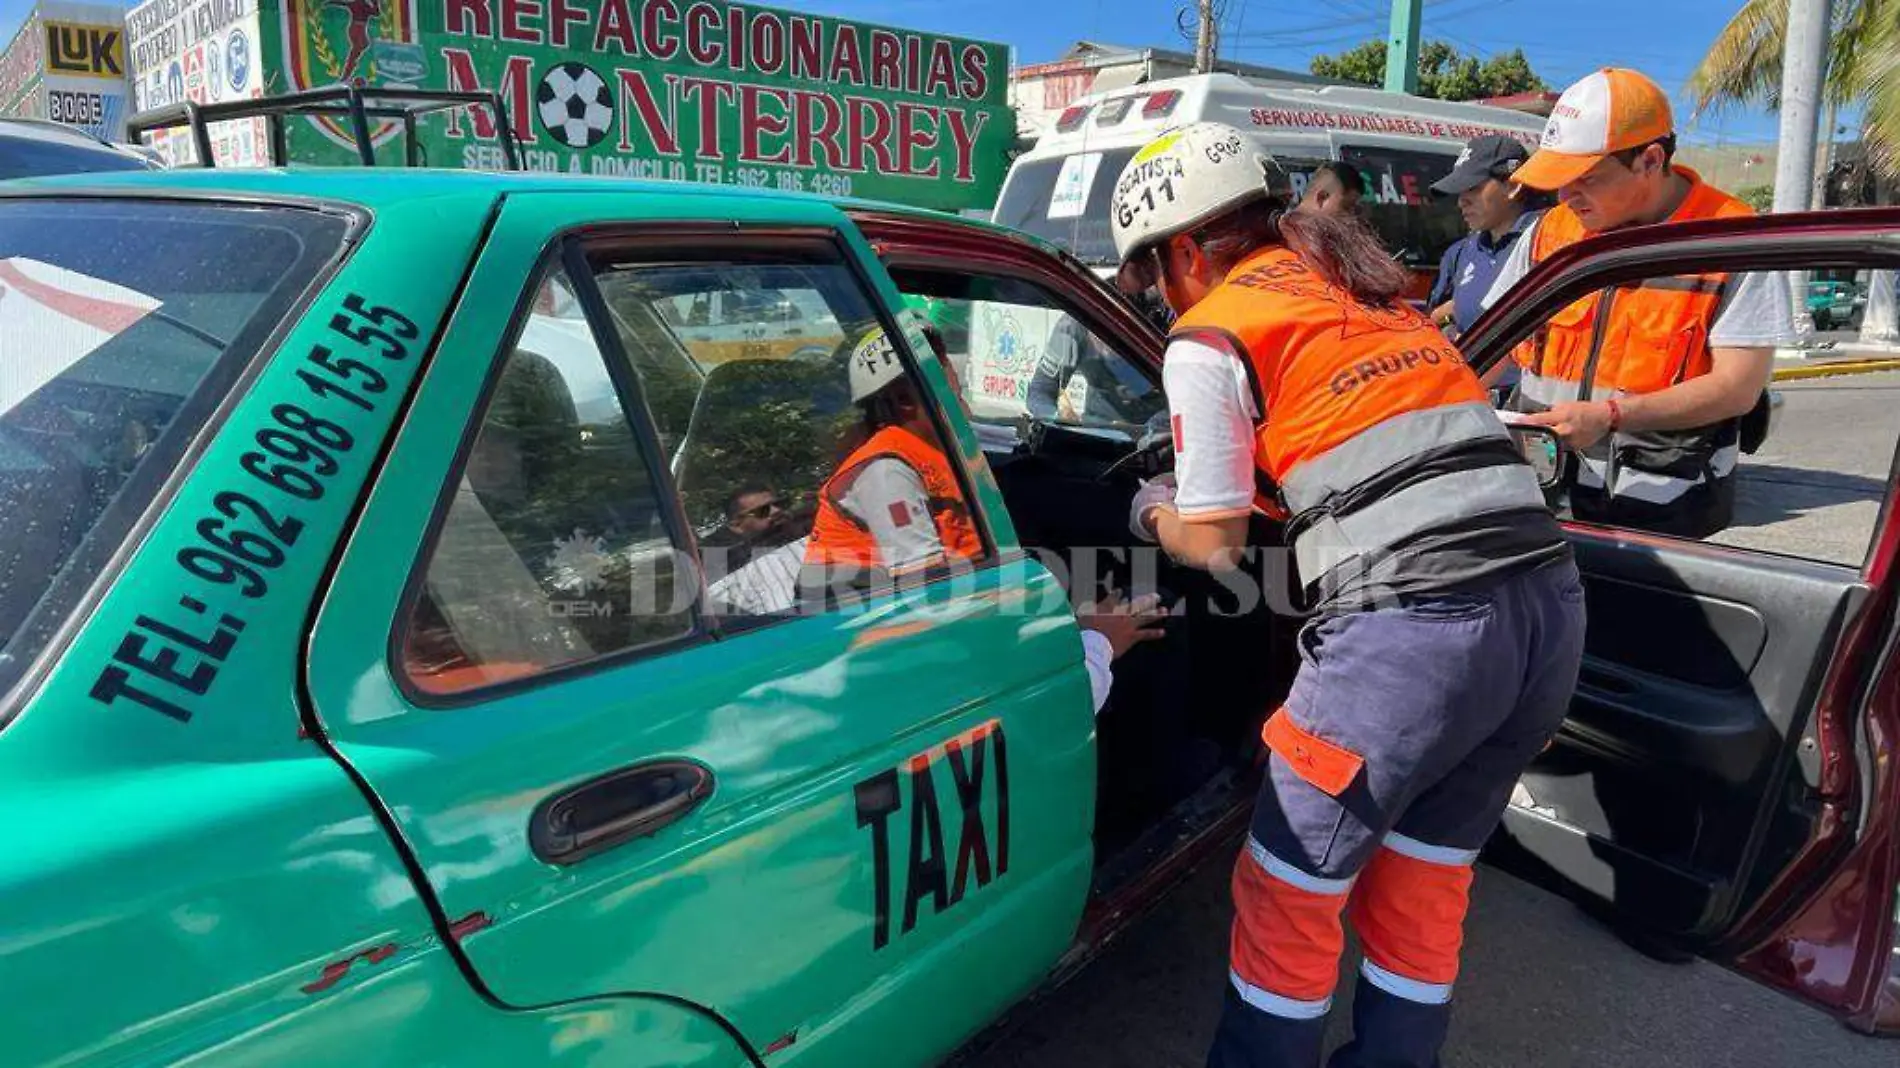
{"x":51,"y":318}
{"x":1073,"y":184}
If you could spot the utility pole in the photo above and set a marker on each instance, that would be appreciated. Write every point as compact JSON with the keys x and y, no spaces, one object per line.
{"x":1401,"y":47}
{"x":1204,"y":44}
{"x":1803,"y":71}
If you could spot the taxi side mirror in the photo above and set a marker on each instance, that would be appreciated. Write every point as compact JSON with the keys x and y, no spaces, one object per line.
{"x":1543,"y":450}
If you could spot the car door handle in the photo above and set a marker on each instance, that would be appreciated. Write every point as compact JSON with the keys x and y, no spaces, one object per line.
{"x":618,"y":807}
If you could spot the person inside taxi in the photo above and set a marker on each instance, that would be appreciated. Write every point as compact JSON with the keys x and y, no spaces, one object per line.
{"x":752,"y":564}
{"x":894,"y":505}
{"x":1334,"y":189}
{"x":1449,"y":624}
{"x":1652,"y":389}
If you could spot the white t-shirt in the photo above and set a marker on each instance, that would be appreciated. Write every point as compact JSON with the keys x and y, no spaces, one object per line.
{"x":1212,"y":405}
{"x":1758,"y":312}
{"x":888,"y":496}
{"x":765,"y":585}
{"x":1098,"y":655}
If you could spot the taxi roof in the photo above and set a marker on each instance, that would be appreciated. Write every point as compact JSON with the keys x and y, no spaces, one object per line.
{"x":388,"y":187}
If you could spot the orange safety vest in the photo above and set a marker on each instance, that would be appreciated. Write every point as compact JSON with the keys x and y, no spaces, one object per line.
{"x":840,"y":538}
{"x":1643,"y":337}
{"x":1635,"y":338}
{"x":1376,"y":436}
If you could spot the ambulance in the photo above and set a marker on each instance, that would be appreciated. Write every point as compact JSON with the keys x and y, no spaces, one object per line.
{"x":1060,"y":189}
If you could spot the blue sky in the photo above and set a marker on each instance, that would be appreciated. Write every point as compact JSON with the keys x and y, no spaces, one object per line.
{"x":1664,"y":38}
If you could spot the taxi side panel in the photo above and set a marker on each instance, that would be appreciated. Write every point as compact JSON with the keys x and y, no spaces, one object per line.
{"x":801,"y":901}
{"x":179,"y":873}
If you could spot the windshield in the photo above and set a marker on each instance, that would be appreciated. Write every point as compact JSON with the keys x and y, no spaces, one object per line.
{"x":1066,"y":200}
{"x":1077,"y":219}
{"x":122,"y":325}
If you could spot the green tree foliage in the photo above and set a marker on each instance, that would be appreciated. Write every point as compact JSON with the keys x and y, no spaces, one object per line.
{"x":1444,"y":73}
{"x":1759,"y":197}
{"x":1743,"y":67}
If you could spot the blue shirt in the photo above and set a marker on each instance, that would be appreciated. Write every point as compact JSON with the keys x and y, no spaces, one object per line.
{"x":1470,"y":267}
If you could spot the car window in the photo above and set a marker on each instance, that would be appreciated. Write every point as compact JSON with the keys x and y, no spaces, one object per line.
{"x":793,"y":465}
{"x":1804,"y":474}
{"x":1023,"y":355}
{"x":33,"y":157}
{"x":122,"y":325}
{"x":554,"y":548}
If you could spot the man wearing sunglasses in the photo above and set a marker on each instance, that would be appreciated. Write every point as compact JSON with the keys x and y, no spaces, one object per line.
{"x":1648,"y":381}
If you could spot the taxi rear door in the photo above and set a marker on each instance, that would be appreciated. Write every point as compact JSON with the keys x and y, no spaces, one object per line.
{"x":853,"y":834}
{"x":1727,"y":781}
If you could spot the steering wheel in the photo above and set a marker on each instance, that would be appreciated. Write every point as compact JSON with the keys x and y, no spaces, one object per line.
{"x":1153,"y":453}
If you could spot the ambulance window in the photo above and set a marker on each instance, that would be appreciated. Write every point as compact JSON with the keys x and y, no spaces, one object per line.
{"x":1415,"y":225}
{"x":1066,"y":201}
{"x":1020,"y":353}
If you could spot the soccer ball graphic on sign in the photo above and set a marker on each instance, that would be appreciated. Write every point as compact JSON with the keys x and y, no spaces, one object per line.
{"x":576,"y":107}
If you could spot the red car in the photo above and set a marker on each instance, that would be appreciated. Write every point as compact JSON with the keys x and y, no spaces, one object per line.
{"x":1728,"y":783}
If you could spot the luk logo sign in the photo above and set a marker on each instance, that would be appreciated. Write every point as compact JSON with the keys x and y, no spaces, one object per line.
{"x":84,"y":51}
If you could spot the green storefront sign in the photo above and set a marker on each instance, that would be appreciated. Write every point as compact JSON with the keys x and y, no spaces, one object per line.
{"x":690,"y":90}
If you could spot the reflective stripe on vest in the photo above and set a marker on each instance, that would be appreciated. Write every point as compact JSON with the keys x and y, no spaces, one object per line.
{"x":1593,"y":472}
{"x":1375,"y":430}
{"x":1332,"y":540}
{"x":1380,"y":448}
{"x":1544,"y":391}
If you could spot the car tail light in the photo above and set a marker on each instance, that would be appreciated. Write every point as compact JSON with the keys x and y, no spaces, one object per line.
{"x":1071,"y":118}
{"x":1161,"y":104}
{"x":1114,"y":111}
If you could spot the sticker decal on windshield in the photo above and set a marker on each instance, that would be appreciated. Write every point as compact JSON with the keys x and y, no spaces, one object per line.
{"x":58,"y":317}
{"x":1073,"y":185}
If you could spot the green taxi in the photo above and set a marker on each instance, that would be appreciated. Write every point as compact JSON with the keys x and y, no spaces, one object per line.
{"x":400,"y":665}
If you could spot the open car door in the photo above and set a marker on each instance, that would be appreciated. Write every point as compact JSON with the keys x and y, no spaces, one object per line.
{"x":1727,"y":780}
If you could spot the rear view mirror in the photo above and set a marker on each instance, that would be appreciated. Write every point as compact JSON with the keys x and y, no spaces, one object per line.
{"x":1542,"y":449}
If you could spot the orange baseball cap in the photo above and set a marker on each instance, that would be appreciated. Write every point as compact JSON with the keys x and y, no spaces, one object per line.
{"x":1607,"y":112}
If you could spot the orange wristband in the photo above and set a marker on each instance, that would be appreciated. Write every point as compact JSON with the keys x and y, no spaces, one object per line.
{"x":1616,"y":415}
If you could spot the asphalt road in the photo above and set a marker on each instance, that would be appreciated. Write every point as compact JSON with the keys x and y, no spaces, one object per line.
{"x":1815,"y":487}
{"x":1543,"y":985}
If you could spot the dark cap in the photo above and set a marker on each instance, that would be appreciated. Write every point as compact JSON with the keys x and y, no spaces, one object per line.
{"x":1487,"y":157}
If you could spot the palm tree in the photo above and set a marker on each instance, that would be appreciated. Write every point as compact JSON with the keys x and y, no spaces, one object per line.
{"x":1743,"y":67}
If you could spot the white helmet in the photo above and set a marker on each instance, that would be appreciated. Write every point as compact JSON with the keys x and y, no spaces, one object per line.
{"x":874,"y":364}
{"x":1184,"y":178}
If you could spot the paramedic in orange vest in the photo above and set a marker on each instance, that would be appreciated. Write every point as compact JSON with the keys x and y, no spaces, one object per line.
{"x":894,"y":506}
{"x":1647,"y":381}
{"x":1449,"y":621}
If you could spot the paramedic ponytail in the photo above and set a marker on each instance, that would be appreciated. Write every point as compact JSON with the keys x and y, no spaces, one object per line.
{"x":1339,"y":248}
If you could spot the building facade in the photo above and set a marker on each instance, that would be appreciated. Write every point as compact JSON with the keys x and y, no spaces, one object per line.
{"x":68,"y":64}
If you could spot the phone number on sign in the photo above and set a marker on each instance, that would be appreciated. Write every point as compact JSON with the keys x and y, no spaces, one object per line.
{"x":831,"y":185}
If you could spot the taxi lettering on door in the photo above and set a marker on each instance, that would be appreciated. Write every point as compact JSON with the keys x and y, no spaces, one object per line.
{"x":943,"y":863}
